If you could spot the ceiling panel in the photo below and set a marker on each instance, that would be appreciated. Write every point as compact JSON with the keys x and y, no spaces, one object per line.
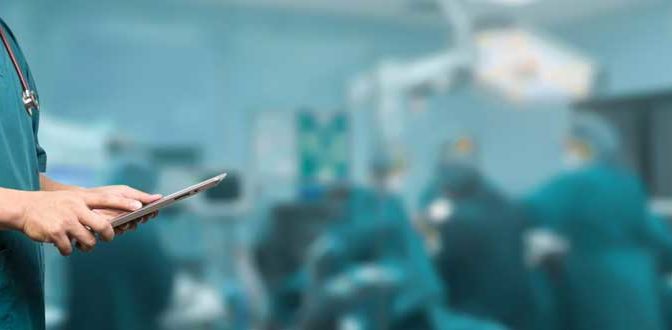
{"x":538,"y":12}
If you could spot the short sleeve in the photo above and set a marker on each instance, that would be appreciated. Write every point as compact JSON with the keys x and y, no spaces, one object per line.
{"x":40,"y":152}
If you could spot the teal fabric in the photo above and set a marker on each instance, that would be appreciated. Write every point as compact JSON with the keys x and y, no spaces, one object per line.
{"x":481,"y":250}
{"x":397,"y":239}
{"x":375,"y":229}
{"x":666,"y":294}
{"x":21,"y":160}
{"x":609,"y":279}
{"x":124,"y":285}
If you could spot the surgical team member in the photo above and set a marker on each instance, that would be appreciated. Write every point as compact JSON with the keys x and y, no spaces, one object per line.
{"x":478,"y":247}
{"x":34,"y":208}
{"x":608,"y":278}
{"x":375,"y":237}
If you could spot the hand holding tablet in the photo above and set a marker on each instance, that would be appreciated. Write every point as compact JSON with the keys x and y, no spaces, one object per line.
{"x":167,"y":201}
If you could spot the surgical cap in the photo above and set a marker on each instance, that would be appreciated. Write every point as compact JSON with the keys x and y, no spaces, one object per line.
{"x":598,"y":135}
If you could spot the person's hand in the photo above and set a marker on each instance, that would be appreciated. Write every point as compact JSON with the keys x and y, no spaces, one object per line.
{"x":59,"y":217}
{"x":126,"y":192}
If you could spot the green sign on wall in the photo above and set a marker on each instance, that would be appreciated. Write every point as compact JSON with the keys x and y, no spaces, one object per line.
{"x":323,"y":145}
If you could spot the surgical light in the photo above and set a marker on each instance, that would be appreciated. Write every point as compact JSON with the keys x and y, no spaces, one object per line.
{"x":527,"y":67}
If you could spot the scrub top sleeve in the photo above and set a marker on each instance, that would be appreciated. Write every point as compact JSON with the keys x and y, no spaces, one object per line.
{"x":40,"y":152}
{"x":658,"y":236}
{"x":548,"y":206}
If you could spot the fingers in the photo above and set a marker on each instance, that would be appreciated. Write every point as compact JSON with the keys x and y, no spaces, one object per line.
{"x":77,"y":230}
{"x":133,"y":225}
{"x":97,"y":223}
{"x":85,"y":240}
{"x":138,"y":195}
{"x":107,"y":213}
{"x":130,"y":226}
{"x":108,"y":201}
{"x":149,"y":217}
{"x":62,"y":242}
{"x":82,"y":247}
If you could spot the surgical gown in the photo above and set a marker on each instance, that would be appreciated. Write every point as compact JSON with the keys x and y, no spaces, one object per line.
{"x":481,"y":255}
{"x":609,"y":278}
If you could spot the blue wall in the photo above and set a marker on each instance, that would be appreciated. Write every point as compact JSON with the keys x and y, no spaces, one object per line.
{"x":192,"y":65}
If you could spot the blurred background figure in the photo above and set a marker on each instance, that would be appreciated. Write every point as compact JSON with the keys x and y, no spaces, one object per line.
{"x":389,"y":278}
{"x":136,"y":272}
{"x":279,"y":255}
{"x":475,"y":235}
{"x":600,"y":208}
{"x":457,"y":165}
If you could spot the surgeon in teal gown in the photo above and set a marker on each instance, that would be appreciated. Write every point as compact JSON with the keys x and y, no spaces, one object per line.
{"x":608,"y":279}
{"x":480,"y":252}
{"x":21,"y":161}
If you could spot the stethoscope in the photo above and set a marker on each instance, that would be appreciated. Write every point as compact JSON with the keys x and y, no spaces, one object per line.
{"x":29,"y":96}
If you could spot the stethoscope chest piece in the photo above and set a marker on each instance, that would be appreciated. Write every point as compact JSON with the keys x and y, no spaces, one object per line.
{"x":30,"y":101}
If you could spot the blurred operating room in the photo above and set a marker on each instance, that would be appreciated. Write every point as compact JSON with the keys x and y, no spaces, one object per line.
{"x":392,"y":164}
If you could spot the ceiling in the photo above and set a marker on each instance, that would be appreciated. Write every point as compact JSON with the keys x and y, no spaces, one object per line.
{"x":427,"y":11}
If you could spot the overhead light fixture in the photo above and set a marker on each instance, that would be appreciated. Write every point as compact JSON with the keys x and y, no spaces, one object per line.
{"x":525,"y":66}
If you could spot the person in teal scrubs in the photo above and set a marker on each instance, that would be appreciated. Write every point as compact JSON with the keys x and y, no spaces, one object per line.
{"x":480,"y":251}
{"x":35,"y":209}
{"x":608,"y":278}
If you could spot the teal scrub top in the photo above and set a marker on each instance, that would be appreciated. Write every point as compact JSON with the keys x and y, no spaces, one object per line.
{"x":370,"y":209}
{"x":609,"y":278}
{"x":21,"y":161}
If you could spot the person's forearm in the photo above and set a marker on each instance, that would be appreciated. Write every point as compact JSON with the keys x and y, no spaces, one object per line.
{"x":11,"y":208}
{"x":47,"y":184}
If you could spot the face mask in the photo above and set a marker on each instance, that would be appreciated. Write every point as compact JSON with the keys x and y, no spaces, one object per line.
{"x":577,"y":154}
{"x":394,"y":183}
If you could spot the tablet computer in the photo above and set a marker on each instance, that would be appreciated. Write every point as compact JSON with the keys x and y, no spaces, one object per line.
{"x":168,"y":200}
